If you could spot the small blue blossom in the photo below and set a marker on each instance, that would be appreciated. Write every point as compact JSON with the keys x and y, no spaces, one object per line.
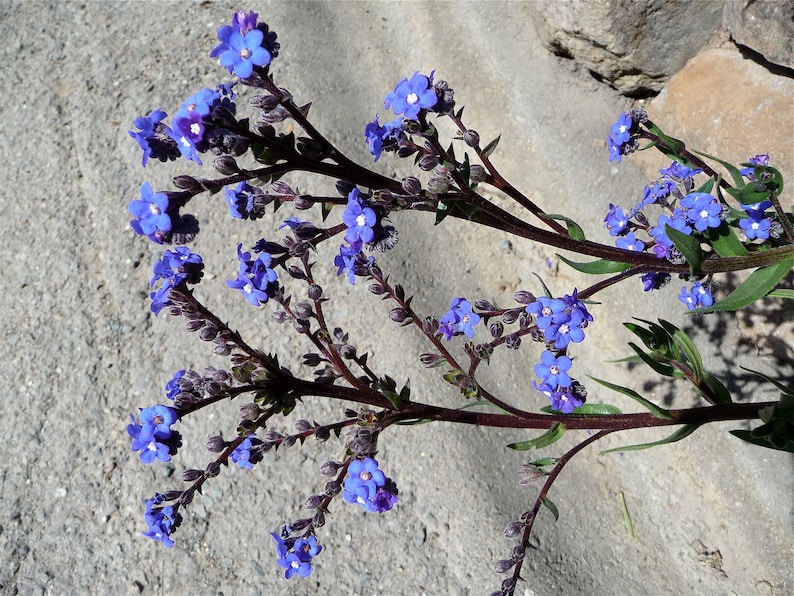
{"x":564,"y":332}
{"x":412,"y":95}
{"x":200,"y":103}
{"x":762,"y":159}
{"x":293,"y":564}
{"x":548,"y":311}
{"x":654,"y":281}
{"x":616,"y":220}
{"x":242,"y":454}
{"x":697,"y":297}
{"x":244,"y":51}
{"x":174,"y":267}
{"x":676,"y":221}
{"x":242,"y":201}
{"x":153,"y":437}
{"x":703,"y":210}
{"x":308,"y":546}
{"x":619,"y":137}
{"x":757,"y":209}
{"x":153,"y":137}
{"x":755,"y":228}
{"x":358,"y":219}
{"x":346,"y":261}
{"x":656,"y":193}
{"x":554,"y":370}
{"x":380,"y":138}
{"x":565,"y":401}
{"x":162,"y":521}
{"x":679,"y":172}
{"x":255,"y":276}
{"x":189,"y":126}
{"x":186,"y":147}
{"x":458,"y":319}
{"x":364,"y":477}
{"x":150,"y":212}
{"x":629,"y":242}
{"x":172,"y":387}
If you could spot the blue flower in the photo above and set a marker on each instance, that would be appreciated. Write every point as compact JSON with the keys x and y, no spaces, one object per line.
{"x":679,"y":172}
{"x":242,"y":454}
{"x":153,"y":137}
{"x":174,"y":267}
{"x":186,"y":147}
{"x":663,"y":244}
{"x":240,"y":200}
{"x":295,"y":557}
{"x":654,"y":281}
{"x":458,"y":319}
{"x":150,"y":214}
{"x":358,"y":219}
{"x":755,"y":228}
{"x":244,"y":51}
{"x":189,"y":126}
{"x":412,"y":95}
{"x":629,"y":242}
{"x":548,"y":311}
{"x":162,"y":521}
{"x":619,"y":137}
{"x":253,"y":294}
{"x":255,"y":276}
{"x":172,"y":387}
{"x":554,"y":371}
{"x":616,"y":220}
{"x":382,"y":137}
{"x":153,"y":437}
{"x":200,"y":103}
{"x":564,"y":332}
{"x":656,"y":193}
{"x":564,"y":401}
{"x":703,"y":210}
{"x":762,"y":159}
{"x":346,"y":261}
{"x":307,"y":546}
{"x":364,"y":477}
{"x":697,"y":297}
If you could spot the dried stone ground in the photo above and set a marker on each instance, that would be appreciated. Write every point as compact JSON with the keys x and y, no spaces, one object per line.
{"x":81,"y":350}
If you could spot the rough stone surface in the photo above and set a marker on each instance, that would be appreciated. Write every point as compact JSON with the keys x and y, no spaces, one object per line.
{"x":764,"y":27}
{"x":81,"y":351}
{"x":729,"y":107}
{"x":634,"y":46}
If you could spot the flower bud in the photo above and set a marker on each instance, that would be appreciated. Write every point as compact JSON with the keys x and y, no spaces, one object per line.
{"x":329,"y":468}
{"x":313,"y":502}
{"x":226,"y":165}
{"x":524,"y":297}
{"x":318,"y":521}
{"x":411,"y":185}
{"x":503,"y":566}
{"x":216,"y":444}
{"x":513,"y":529}
{"x":427,"y":162}
{"x":213,"y":469}
{"x":250,"y":411}
{"x":303,"y":202}
{"x":191,"y":475}
{"x":477,"y":173}
{"x":471,"y":138}
{"x":315,"y":292}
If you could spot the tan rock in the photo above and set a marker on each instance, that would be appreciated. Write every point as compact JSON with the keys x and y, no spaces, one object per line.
{"x":729,"y":107}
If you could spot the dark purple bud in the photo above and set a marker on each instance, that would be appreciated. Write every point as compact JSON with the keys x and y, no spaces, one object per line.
{"x":216,"y":444}
{"x":411,"y":185}
{"x":318,"y":521}
{"x":209,"y":333}
{"x":303,"y":310}
{"x":329,"y":468}
{"x":438,"y":185}
{"x":511,"y":316}
{"x":301,"y":524}
{"x":213,"y":469}
{"x":376,"y":289}
{"x":427,"y":162}
{"x":347,"y":351}
{"x":303,"y":202}
{"x":471,"y":138}
{"x":263,"y":102}
{"x":323,"y":433}
{"x":312,"y":359}
{"x":527,"y":517}
{"x":280,"y":187}
{"x":513,"y":529}
{"x":296,"y":272}
{"x":186,"y":182}
{"x":406,"y":151}
{"x":477,"y":173}
{"x":518,"y":552}
{"x":272,"y":436}
{"x":226,"y":165}
{"x":496,"y":328}
{"x":279,"y":316}
{"x":484,"y":305}
{"x":250,"y":411}
{"x":512,"y":341}
{"x":398,"y":314}
{"x":524,"y":297}
{"x":504,"y":566}
{"x":301,"y":325}
{"x":192,"y":475}
{"x":313,"y":502}
{"x":333,"y":488}
{"x":430,"y":325}
{"x":303,"y":425}
{"x":194,"y":325}
{"x":290,"y":440}
{"x":172,"y":495}
{"x":430,"y":359}
{"x":412,"y":127}
{"x":212,"y":388}
{"x":315,"y":292}
{"x":186,"y":498}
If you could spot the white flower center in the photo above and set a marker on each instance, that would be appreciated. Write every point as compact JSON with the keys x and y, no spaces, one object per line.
{"x":704,"y":213}
{"x":563,"y":329}
{"x":361,"y":220}
{"x":245,"y":53}
{"x":366,"y":476}
{"x":154,"y":209}
{"x":412,"y":98}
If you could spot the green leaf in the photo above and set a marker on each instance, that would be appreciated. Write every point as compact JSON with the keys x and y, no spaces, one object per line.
{"x":681,"y":433}
{"x":782,"y":293}
{"x":575,"y":231}
{"x":489,"y":148}
{"x":689,"y":247}
{"x":588,"y":410}
{"x":788,"y":390}
{"x":750,"y":193}
{"x":654,"y":409}
{"x":545,"y":461}
{"x":736,"y":175}
{"x":717,"y":387}
{"x":671,"y":147}
{"x":546,"y":289}
{"x":551,"y":507}
{"x":596,"y":267}
{"x":550,"y":437}
{"x":724,"y":241}
{"x":687,"y":346}
{"x":707,"y":186}
{"x":661,"y":368}
{"x":746,"y":435}
{"x":771,"y":177}
{"x":326,"y":209}
{"x":756,"y":286}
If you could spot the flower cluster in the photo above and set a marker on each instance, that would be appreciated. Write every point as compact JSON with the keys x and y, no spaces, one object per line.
{"x":256,"y":280}
{"x":562,"y":321}
{"x":295,"y":556}
{"x":174,"y":267}
{"x":383,"y":138}
{"x":245,"y":201}
{"x":361,"y":222}
{"x":367,"y":485}
{"x":153,"y":436}
{"x":622,"y":137}
{"x":162,"y":521}
{"x":458,"y":319}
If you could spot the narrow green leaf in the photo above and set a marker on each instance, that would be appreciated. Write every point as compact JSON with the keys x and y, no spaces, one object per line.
{"x":681,"y":433}
{"x":654,"y":409}
{"x":551,"y":507}
{"x":444,"y":208}
{"x":574,"y":229}
{"x":588,"y":410}
{"x":598,"y":267}
{"x":671,"y":147}
{"x":626,"y":517}
{"x":736,"y":175}
{"x":717,"y":387}
{"x":550,"y":437}
{"x":661,"y":368}
{"x":707,"y":186}
{"x":546,"y":461}
{"x":746,"y":435}
{"x":546,"y":289}
{"x":756,"y":286}
{"x":750,"y":193}
{"x":788,"y":390}
{"x":687,"y":346}
{"x":489,"y":148}
{"x":689,"y":247}
{"x":326,"y":209}
{"x":782,"y":293}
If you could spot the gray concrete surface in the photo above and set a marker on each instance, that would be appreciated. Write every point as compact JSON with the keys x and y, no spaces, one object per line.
{"x":81,"y":351}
